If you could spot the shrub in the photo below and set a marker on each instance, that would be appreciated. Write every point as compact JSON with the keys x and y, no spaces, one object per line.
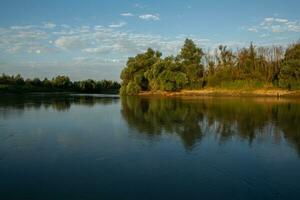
{"x":132,"y":88}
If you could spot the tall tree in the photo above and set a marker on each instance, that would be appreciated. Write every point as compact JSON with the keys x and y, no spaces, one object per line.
{"x":190,"y":59}
{"x":133,"y":75}
{"x":166,"y":75}
{"x":290,"y":70}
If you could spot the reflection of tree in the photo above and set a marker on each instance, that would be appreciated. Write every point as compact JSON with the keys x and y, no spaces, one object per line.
{"x":16,"y":104}
{"x":289,"y":121}
{"x":92,"y":100}
{"x":60,"y":105}
{"x":154,"y":116}
{"x":191,"y":119}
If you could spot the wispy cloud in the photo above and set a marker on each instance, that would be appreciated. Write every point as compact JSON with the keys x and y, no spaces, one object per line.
{"x":253,"y":29}
{"x":97,"y":50}
{"x":118,"y":25}
{"x":138,"y":5}
{"x":281,"y":20}
{"x":264,"y":35}
{"x":22,"y":27}
{"x":276,"y":25}
{"x":127,"y":14}
{"x":49,"y":25}
{"x":97,"y":39}
{"x":150,"y":17}
{"x":71,"y":42}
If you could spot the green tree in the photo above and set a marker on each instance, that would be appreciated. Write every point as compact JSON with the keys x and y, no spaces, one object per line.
{"x":289,"y":76}
{"x":37,"y":82}
{"x":61,"y":82}
{"x":46,"y":83}
{"x":134,"y":72}
{"x":133,"y":88}
{"x":167,"y":75}
{"x":19,"y":80}
{"x":87,"y":85}
{"x":190,"y":59}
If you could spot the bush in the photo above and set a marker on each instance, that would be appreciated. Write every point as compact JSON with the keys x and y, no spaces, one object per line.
{"x":132,"y":88}
{"x":289,"y":76}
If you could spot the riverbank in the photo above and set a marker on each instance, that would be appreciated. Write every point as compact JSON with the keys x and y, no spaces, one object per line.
{"x":226,"y":92}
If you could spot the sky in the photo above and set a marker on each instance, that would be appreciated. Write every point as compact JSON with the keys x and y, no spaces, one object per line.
{"x":93,"y":38}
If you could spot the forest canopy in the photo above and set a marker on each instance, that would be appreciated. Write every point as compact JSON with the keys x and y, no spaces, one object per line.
{"x":193,"y":68}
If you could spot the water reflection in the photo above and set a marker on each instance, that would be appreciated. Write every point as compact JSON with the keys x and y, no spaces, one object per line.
{"x":189,"y":119}
{"x":193,"y":119}
{"x":13,"y":105}
{"x":99,"y":147}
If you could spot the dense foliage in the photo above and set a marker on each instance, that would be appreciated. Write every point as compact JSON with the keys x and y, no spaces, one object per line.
{"x":251,"y":67}
{"x":290,"y":70}
{"x":59,"y":83}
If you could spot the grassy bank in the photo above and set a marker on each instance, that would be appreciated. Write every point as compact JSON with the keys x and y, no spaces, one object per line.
{"x":271,"y":92}
{"x":232,"y":88}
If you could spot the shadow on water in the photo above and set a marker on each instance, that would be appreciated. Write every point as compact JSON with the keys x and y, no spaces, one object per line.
{"x":193,"y":119}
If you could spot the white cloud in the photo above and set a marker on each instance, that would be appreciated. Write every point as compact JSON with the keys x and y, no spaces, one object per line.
{"x":138,"y":5}
{"x":269,"y":19}
{"x":264,"y":35}
{"x":100,"y":50}
{"x":64,"y":32}
{"x":127,"y":14}
{"x":49,"y":25}
{"x":87,"y":40}
{"x":115,"y":60}
{"x":98,"y":27}
{"x":149,"y":17}
{"x":277,"y":29}
{"x":22,"y":27}
{"x":253,"y":29}
{"x":65,"y":26}
{"x":71,"y":42}
{"x":281,"y":20}
{"x":276,"y":25}
{"x":14,"y":49}
{"x":119,"y":25}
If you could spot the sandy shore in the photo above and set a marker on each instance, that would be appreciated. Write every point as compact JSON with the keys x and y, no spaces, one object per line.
{"x":226,"y":92}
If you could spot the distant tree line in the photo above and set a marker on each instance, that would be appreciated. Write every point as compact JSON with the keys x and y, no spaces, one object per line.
{"x":193,"y":68}
{"x":59,"y":83}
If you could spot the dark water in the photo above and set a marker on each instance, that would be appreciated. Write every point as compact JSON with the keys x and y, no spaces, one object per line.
{"x":89,"y":147}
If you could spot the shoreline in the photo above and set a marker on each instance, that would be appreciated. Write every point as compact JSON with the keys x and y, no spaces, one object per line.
{"x":226,"y":92}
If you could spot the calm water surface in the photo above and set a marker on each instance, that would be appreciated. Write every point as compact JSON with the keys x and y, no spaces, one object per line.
{"x":103,"y":147}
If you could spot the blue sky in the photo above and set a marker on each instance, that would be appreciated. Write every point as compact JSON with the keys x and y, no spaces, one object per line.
{"x":93,"y":39}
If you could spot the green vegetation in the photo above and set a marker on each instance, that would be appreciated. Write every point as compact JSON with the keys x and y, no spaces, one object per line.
{"x":17,"y":84}
{"x":247,"y":68}
{"x":290,"y":70}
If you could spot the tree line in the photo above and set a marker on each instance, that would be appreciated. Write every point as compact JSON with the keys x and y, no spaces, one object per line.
{"x":59,"y":83}
{"x":193,"y":68}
